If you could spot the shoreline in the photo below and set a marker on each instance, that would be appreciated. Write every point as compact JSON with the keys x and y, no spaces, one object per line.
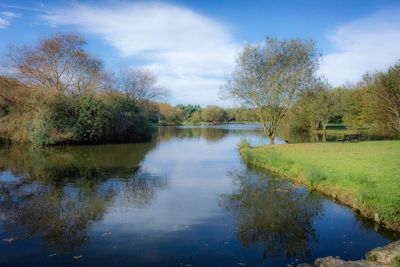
{"x":252,"y":157}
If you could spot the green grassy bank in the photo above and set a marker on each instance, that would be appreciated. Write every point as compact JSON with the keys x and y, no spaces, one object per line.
{"x":365,"y":175}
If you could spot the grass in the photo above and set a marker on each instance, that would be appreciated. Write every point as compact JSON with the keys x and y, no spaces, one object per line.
{"x":365,"y":175}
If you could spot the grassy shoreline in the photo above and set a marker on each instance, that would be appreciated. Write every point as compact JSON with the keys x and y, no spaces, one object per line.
{"x":364,"y":176}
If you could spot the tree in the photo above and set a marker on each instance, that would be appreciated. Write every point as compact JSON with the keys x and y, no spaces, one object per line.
{"x":188,"y":109}
{"x":59,"y":63}
{"x":139,"y":85}
{"x":196,"y":117}
{"x":271,"y":76}
{"x":316,"y":106}
{"x":388,"y":95}
{"x":214,"y":114}
{"x":170,"y":115}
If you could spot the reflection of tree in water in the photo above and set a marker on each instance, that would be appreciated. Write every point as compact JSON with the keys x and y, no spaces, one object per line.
{"x":140,"y":189}
{"x":209,"y":133}
{"x":60,"y":216}
{"x":270,"y":212}
{"x":59,"y":193}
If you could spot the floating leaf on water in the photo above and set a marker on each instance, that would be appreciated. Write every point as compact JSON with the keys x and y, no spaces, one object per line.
{"x":241,"y":263}
{"x":52,"y":255}
{"x":78,"y":257}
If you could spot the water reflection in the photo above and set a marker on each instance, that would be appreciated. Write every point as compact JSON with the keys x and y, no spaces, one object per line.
{"x":156,"y":204}
{"x":210,"y":133}
{"x":270,"y":212}
{"x":58,"y":193}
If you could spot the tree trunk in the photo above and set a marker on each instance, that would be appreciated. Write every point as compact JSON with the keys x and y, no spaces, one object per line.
{"x":271,"y":140}
{"x":324,"y":132}
{"x":270,"y":132}
{"x":271,"y":137}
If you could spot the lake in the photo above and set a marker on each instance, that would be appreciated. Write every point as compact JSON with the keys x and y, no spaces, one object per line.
{"x":184,"y":199}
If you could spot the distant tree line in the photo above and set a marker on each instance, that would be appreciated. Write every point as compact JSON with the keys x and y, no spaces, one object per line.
{"x":194,"y":114}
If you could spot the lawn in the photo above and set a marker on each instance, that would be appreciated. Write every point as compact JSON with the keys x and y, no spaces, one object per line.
{"x":364,"y":175}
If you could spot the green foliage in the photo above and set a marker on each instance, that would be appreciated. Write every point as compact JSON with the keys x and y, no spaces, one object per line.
{"x":70,"y":99}
{"x":244,"y":143}
{"x":214,"y":114}
{"x":196,"y":117}
{"x":269,"y":78}
{"x":315,"y":108}
{"x":396,"y":261}
{"x":242,"y":115}
{"x":88,"y":119}
{"x":91,"y":119}
{"x":188,"y":110}
{"x":371,"y":257}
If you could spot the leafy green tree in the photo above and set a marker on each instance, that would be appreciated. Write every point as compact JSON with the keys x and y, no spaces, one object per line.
{"x":316,"y":106}
{"x":270,"y":77}
{"x":188,"y":110}
{"x":387,"y":92}
{"x":214,"y":114}
{"x":196,"y":117}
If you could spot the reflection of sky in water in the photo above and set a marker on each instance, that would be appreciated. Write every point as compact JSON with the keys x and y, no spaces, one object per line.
{"x":197,"y":174}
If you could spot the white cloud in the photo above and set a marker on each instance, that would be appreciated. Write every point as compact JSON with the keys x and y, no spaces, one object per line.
{"x":188,"y":51}
{"x":8,"y":14}
{"x":4,"y":23}
{"x":368,"y":44}
{"x":5,"y":18}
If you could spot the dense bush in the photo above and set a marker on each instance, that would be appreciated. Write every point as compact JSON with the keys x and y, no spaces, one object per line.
{"x":214,"y":114}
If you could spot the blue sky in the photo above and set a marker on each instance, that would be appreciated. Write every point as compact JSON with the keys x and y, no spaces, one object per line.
{"x":191,"y":45}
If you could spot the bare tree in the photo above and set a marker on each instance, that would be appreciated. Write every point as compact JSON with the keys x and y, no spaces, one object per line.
{"x":140,"y":85}
{"x":59,"y":63}
{"x":270,"y":77}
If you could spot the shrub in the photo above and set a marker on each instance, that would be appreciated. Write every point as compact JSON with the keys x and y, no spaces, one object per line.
{"x":88,"y":119}
{"x":244,"y":143}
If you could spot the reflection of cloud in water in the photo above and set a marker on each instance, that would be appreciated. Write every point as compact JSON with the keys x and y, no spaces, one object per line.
{"x":195,"y":167}
{"x":196,"y":173}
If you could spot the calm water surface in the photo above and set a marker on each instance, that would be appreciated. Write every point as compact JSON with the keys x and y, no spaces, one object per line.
{"x":185,"y":199}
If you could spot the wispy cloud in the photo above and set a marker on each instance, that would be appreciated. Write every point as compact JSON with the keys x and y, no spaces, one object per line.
{"x":368,"y":44}
{"x":5,"y":18}
{"x":8,"y":14}
{"x":190,"y":52}
{"x":4,"y":23}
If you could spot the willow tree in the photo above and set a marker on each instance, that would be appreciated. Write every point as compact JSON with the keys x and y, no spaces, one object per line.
{"x":270,"y":77}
